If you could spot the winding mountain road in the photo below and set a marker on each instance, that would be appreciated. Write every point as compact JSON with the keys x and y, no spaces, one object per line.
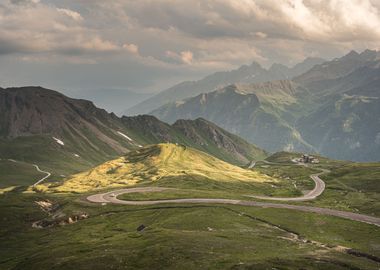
{"x":48,"y":174}
{"x":111,"y":197}
{"x":313,"y":194}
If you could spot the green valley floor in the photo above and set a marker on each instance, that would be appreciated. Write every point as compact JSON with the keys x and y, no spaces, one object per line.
{"x":66,"y":231}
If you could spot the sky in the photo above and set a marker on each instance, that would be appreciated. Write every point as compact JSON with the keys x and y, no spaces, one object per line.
{"x":149,"y":45}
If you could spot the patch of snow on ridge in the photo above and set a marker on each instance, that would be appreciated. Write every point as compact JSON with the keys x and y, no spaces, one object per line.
{"x":125,"y":136}
{"x":59,"y":141}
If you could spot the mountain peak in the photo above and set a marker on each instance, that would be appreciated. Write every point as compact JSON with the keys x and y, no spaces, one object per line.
{"x":369,"y":55}
{"x":277,"y":66}
{"x":351,"y":54}
{"x":254,"y":64}
{"x":32,"y":90}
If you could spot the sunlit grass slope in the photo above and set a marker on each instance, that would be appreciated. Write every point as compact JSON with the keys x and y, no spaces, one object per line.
{"x":154,"y":162}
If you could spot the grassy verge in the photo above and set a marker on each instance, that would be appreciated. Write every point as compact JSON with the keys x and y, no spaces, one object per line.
{"x":353,"y":187}
{"x":178,"y":236}
{"x":18,"y":174}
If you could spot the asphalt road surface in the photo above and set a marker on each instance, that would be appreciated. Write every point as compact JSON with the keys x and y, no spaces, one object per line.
{"x":111,"y":197}
{"x":318,"y":190}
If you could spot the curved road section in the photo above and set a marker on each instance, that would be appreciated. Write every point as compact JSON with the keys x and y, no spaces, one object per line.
{"x":43,"y":178}
{"x":313,"y":194}
{"x":111,"y":197}
{"x":48,"y":174}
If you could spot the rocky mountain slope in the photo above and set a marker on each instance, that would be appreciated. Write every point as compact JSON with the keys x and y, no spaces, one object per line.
{"x":199,"y":134}
{"x":346,"y":124}
{"x":337,"y":68}
{"x":66,"y":135}
{"x":253,"y":73}
{"x":255,"y":116}
{"x":44,"y":126}
{"x":331,"y":109}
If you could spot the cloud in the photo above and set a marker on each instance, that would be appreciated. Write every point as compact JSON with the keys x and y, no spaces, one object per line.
{"x":260,"y":34}
{"x":296,"y":19}
{"x":132,"y":48}
{"x":187,"y":57}
{"x":97,"y":44}
{"x":101,"y":26}
{"x":189,"y":37}
{"x":72,"y":14}
{"x":61,"y":31}
{"x":24,"y":2}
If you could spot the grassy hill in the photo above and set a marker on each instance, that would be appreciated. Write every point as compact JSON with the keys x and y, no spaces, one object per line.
{"x":154,"y":162}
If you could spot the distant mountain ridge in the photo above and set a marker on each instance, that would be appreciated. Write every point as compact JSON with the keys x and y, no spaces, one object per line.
{"x":338,"y":67}
{"x":332,"y":109}
{"x":253,"y":73}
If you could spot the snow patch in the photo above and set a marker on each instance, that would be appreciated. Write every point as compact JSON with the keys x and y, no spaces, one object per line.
{"x":355,"y":145}
{"x":179,"y":103}
{"x":125,"y":136}
{"x":59,"y":141}
{"x":203,"y":99}
{"x":377,"y":139}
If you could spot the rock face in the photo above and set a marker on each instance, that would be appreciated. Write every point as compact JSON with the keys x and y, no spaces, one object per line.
{"x":332,"y":109}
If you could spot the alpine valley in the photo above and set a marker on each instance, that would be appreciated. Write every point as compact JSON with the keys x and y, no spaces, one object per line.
{"x":331,"y":108}
{"x":212,"y":181}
